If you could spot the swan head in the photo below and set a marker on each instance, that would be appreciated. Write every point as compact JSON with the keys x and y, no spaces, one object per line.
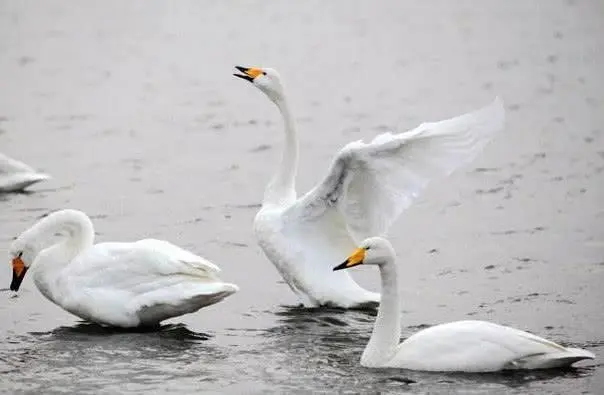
{"x":372,"y":251}
{"x":265,"y":79}
{"x":21,"y":254}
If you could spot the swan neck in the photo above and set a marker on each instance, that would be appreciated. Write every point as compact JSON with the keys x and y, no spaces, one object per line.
{"x":77,"y":226}
{"x":281,"y":189}
{"x":387,"y":328}
{"x":48,"y":263}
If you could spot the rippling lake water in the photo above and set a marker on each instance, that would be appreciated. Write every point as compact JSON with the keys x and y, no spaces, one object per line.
{"x":132,"y":108}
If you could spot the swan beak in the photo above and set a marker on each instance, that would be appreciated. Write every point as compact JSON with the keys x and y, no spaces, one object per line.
{"x":355,"y":259}
{"x":249,"y":73}
{"x":19,"y":271}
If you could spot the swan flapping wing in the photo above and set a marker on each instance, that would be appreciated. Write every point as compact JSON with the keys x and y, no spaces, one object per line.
{"x":371,"y":184}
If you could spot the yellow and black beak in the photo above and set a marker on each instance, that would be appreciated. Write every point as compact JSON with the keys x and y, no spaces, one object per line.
{"x":19,"y":270}
{"x":249,"y":73}
{"x":353,"y":260}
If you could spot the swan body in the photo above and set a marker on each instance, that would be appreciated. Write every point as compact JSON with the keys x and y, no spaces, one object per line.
{"x":460,"y":346}
{"x":15,"y":176}
{"x":116,"y":284}
{"x":366,"y":188}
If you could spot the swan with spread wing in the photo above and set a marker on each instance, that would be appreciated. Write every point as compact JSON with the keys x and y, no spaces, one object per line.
{"x":366,"y":188}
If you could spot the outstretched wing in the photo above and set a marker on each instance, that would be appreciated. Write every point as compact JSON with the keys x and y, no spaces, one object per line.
{"x":371,"y":184}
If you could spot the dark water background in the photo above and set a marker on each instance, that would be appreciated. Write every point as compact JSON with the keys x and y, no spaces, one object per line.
{"x":132,"y":108}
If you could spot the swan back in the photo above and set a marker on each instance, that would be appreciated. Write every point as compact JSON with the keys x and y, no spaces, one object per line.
{"x":16,"y":176}
{"x":480,"y":346}
{"x":196,"y":263}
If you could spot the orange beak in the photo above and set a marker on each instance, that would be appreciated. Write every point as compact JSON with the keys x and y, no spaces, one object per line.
{"x":19,"y":270}
{"x":356,"y":258}
{"x":249,"y":73}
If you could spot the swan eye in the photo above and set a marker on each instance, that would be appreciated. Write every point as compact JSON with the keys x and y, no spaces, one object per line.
{"x":367,"y":248}
{"x":264,"y":73}
{"x":20,"y":254}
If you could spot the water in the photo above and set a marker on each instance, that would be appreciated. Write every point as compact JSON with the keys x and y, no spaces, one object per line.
{"x":132,"y":108}
{"x":305,"y":351}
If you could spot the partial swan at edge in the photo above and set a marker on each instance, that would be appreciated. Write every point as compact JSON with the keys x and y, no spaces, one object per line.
{"x":15,"y":176}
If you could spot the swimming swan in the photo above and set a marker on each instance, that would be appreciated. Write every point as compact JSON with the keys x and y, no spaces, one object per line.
{"x":366,"y":188}
{"x":16,"y":176}
{"x":115,"y":284}
{"x":461,"y":346}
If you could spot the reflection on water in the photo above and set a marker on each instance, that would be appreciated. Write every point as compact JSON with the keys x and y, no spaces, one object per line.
{"x":319,"y":349}
{"x":89,"y":331}
{"x":308,"y":349}
{"x":88,"y":357}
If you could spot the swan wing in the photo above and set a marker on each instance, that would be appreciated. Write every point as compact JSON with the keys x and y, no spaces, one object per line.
{"x":140,"y":283}
{"x":370,"y":184}
{"x":181,"y":255}
{"x":138,"y":266}
{"x":313,"y":245}
{"x":479,"y":346}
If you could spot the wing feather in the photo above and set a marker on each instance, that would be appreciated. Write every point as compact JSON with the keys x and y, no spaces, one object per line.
{"x":137,"y":266}
{"x":176,"y":253}
{"x":370,"y":184}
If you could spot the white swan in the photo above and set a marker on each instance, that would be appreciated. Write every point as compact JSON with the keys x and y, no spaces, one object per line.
{"x":365,"y":190}
{"x":116,"y":284}
{"x":16,"y":176}
{"x":461,"y":346}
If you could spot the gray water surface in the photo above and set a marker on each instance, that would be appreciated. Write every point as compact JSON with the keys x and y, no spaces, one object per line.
{"x":132,"y":108}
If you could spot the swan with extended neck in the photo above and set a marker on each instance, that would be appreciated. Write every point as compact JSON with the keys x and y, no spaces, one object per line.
{"x":116,"y":284}
{"x":366,"y":188}
{"x":460,"y":346}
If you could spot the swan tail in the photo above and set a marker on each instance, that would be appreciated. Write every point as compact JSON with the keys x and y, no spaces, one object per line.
{"x":190,"y":298}
{"x":19,"y":182}
{"x":552,"y":360}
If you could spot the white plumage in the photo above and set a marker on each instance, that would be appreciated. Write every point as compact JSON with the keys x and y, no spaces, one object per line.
{"x":366,"y":188}
{"x":15,"y":176}
{"x":460,"y":346}
{"x":118,"y":284}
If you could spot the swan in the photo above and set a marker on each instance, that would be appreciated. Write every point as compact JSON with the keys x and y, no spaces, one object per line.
{"x":460,"y":346}
{"x":366,"y":188}
{"x":114,"y":284}
{"x":16,"y":176}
